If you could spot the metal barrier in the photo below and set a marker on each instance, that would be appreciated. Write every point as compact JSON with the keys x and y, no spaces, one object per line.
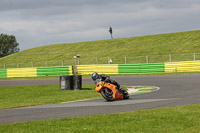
{"x":186,"y":66}
{"x":36,"y":72}
{"x":89,"y":69}
{"x":141,"y":68}
{"x":52,"y":71}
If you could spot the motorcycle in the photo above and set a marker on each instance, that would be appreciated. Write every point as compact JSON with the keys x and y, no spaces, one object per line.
{"x":110,"y":91}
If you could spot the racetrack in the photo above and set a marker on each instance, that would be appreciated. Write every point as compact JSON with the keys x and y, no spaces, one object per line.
{"x":174,"y":90}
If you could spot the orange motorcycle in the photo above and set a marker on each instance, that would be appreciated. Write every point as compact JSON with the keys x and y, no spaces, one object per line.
{"x":110,"y":92}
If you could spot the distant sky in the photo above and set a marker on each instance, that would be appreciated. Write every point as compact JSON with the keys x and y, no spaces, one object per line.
{"x":42,"y":22}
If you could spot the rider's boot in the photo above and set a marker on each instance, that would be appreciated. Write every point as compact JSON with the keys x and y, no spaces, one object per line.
{"x":123,"y":91}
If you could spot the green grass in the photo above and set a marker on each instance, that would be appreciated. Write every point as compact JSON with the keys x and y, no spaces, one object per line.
{"x":179,"y":119}
{"x":162,"y":44}
{"x":20,"y":96}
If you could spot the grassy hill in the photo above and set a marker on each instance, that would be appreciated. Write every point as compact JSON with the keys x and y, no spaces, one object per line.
{"x":161,"y":44}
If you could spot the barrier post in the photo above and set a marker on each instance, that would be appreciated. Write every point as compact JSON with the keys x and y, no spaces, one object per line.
{"x":194,"y":56}
{"x":125,"y":60}
{"x":76,"y":59}
{"x":147,"y":60}
{"x":170,"y":58}
{"x":32,"y":64}
{"x":75,"y":69}
{"x":97,"y":60}
{"x":62,"y":62}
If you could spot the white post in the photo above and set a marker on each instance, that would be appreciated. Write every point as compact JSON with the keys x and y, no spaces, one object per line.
{"x":125,"y":60}
{"x":75,"y":58}
{"x":78,"y":61}
{"x":194,"y":56}
{"x":97,"y":60}
{"x":62,"y":62}
{"x":47,"y":64}
{"x":4,"y":66}
{"x":32,"y":64}
{"x":147,"y":60}
{"x":170,"y":58}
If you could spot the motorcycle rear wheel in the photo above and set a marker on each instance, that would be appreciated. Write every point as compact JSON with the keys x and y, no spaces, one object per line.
{"x":107,"y":94}
{"x":125,"y":95}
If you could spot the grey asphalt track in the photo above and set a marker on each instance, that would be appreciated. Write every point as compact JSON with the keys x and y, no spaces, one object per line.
{"x":174,"y":90}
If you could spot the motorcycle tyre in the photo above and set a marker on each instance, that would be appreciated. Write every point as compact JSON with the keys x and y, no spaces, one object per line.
{"x":105,"y":96}
{"x":126,"y":96}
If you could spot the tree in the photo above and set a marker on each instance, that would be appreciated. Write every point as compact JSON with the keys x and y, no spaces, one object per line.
{"x":8,"y":45}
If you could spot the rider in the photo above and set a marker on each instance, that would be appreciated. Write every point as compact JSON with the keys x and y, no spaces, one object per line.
{"x":105,"y":78}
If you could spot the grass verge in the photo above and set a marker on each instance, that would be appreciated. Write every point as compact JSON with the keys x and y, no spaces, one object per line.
{"x":134,"y":48}
{"x":20,"y":96}
{"x":183,"y":119}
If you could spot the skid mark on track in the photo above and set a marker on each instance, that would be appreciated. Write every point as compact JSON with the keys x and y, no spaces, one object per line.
{"x":132,"y":90}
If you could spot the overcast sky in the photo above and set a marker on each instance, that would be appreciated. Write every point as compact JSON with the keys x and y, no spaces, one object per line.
{"x":42,"y":22}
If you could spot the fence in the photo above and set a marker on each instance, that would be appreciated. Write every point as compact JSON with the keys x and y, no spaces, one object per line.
{"x":109,"y":60}
{"x":38,"y":64}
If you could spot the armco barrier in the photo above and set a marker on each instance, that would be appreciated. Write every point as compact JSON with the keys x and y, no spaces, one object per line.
{"x":35,"y":72}
{"x":141,"y":68}
{"x":186,"y":66}
{"x":3,"y":73}
{"x":53,"y":71}
{"x":89,"y":69}
{"x":121,"y":68}
{"x":21,"y":72}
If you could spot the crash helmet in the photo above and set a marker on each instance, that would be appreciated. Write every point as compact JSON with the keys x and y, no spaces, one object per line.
{"x":95,"y":75}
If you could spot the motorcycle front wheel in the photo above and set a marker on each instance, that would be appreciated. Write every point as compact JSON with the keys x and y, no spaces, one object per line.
{"x":107,"y":94}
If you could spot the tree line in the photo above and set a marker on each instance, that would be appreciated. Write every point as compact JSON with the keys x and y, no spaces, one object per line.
{"x":8,"y":45}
